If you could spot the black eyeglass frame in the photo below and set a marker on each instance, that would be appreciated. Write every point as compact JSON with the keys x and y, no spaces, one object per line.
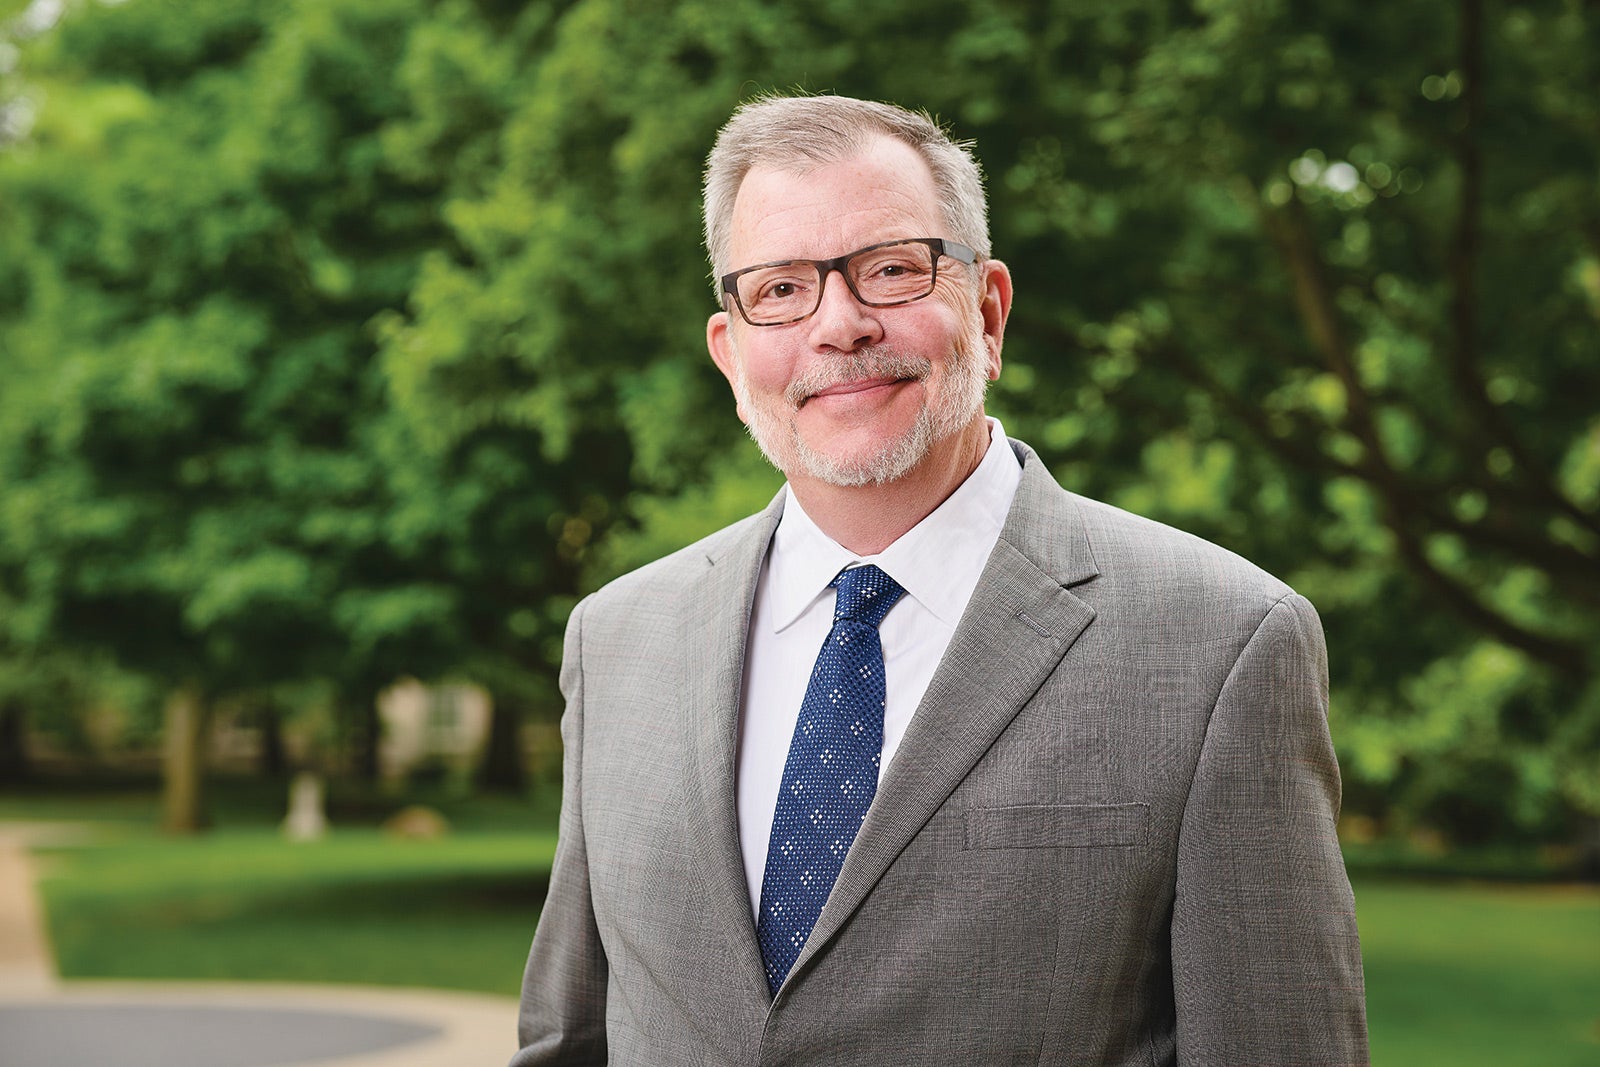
{"x":940,"y":247}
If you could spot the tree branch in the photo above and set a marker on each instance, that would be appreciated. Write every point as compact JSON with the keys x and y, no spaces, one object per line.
{"x":1565,"y":656}
{"x":1465,"y":252}
{"x":1402,"y":509}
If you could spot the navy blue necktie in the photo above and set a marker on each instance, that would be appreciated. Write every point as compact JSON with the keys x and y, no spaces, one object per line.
{"x":831,"y":774}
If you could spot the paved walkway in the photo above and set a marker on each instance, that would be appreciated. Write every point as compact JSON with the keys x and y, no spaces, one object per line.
{"x":25,"y":962}
{"x":47,"y":1022}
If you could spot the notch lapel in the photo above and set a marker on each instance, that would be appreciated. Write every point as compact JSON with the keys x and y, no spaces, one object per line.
{"x":713,"y":663}
{"x":1019,"y":624}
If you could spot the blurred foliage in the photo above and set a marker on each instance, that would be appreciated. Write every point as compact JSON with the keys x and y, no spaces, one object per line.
{"x":354,"y":337}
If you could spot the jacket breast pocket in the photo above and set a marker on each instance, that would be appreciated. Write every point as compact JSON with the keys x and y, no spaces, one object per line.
{"x":1058,"y":826}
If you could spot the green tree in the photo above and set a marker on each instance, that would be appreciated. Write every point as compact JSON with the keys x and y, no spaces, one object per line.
{"x":1357,"y":342}
{"x":522,"y":362}
{"x":192,"y":438}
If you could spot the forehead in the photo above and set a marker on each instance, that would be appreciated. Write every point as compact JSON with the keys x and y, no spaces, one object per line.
{"x":884,"y":192}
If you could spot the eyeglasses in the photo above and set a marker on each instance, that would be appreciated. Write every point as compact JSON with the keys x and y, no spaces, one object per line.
{"x":879,"y":276}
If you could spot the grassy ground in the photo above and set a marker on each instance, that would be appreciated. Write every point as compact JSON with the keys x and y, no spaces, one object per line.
{"x":1459,"y":973}
{"x":1491,"y":974}
{"x":240,"y":902}
{"x":361,"y":907}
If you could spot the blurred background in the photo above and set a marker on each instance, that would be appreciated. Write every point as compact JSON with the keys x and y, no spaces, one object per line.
{"x":344,"y":344}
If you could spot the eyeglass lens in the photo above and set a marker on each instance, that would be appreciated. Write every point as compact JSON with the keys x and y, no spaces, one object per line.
{"x":894,"y":275}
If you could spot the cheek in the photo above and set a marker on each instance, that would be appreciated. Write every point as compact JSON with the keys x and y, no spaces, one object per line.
{"x":763,"y":366}
{"x":957,"y":337}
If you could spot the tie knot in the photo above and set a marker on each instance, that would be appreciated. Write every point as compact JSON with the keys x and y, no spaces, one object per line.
{"x":865,"y":595}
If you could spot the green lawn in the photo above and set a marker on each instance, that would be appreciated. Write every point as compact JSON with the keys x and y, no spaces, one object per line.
{"x":1458,"y":973}
{"x":454,"y":913}
{"x":1490,"y":974}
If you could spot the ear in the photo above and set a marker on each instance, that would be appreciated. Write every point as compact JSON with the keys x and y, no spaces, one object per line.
{"x":994,"y":304}
{"x":720,"y":344}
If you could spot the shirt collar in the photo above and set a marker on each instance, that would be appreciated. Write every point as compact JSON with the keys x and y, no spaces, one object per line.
{"x":926,"y":560}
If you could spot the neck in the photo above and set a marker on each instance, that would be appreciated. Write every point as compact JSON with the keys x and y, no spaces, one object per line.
{"x":867,"y":519}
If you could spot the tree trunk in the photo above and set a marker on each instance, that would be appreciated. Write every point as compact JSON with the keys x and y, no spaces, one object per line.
{"x":501,"y":770}
{"x":183,"y":761}
{"x":14,"y":766}
{"x":369,"y":734}
{"x":274,"y":762}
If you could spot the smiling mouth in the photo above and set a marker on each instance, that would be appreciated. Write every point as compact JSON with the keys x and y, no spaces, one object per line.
{"x":859,"y":385}
{"x":856,"y":372}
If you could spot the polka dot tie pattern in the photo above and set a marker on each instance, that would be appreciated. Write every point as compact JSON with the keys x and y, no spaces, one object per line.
{"x":831,"y":774}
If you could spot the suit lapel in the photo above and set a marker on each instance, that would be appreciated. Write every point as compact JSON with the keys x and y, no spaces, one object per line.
{"x":1018,"y":625}
{"x":713,"y":660}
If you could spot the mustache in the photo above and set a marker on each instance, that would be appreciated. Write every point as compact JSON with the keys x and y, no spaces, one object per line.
{"x":875,"y":362}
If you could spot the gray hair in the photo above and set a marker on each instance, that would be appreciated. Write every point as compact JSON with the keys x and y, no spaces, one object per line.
{"x":801,"y":133}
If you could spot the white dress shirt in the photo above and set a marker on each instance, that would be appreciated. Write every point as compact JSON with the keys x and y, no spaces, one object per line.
{"x":937,"y":562}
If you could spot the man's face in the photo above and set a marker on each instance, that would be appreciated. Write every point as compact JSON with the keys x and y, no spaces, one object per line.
{"x":856,"y":395}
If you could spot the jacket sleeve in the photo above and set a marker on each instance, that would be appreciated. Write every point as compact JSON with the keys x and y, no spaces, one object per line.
{"x":562,"y":1018}
{"x":1265,"y":956}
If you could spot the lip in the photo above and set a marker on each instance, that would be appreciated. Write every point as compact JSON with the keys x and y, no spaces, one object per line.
{"x":861,"y":385}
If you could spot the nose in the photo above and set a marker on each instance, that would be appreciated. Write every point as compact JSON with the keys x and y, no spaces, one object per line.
{"x":841,"y":322}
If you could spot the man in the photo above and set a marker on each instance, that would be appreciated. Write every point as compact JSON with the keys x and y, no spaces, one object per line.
{"x":932,"y":762}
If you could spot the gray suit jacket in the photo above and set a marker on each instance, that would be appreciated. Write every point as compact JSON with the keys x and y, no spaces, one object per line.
{"x":1107,"y":836}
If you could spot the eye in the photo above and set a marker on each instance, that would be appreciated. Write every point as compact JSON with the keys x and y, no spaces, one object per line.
{"x":773,"y":286}
{"x":890,"y":268}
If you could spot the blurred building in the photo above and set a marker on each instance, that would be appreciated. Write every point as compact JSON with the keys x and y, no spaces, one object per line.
{"x":431,"y":728}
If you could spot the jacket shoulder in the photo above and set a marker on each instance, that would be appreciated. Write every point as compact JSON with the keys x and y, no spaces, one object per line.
{"x":1169,"y":564}
{"x":1104,"y":551}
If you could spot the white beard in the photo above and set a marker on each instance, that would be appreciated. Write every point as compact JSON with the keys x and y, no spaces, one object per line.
{"x":776,"y":432}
